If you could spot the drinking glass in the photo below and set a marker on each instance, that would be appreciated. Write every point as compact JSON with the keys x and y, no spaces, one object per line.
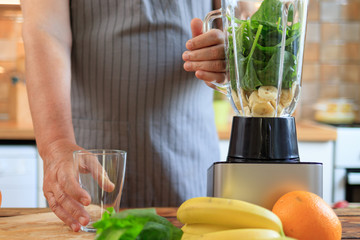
{"x":101,"y":173}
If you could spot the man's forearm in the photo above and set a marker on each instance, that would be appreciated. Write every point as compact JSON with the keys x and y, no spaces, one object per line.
{"x":48,"y":74}
{"x":48,"y":84}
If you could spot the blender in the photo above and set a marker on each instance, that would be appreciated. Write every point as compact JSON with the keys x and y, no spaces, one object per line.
{"x":264,"y":45}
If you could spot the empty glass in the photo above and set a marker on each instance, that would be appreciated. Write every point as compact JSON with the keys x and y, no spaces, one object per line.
{"x":101,"y":173}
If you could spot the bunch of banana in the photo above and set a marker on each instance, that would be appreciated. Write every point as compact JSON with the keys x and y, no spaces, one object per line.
{"x":220,"y":218}
{"x":262,"y":102}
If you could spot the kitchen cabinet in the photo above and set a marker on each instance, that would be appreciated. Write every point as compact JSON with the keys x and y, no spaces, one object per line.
{"x":320,"y":152}
{"x":19,"y":175}
{"x":347,"y":160}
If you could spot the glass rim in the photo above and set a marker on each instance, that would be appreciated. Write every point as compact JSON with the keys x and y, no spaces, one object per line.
{"x":99,"y":152}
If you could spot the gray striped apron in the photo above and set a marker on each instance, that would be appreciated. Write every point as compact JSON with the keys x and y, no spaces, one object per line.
{"x":129,"y":91}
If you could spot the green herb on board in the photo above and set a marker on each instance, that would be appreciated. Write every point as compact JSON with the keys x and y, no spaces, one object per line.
{"x":258,"y":48}
{"x":135,"y":224}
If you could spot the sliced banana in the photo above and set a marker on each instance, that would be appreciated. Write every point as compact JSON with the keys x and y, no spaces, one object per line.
{"x":268,"y":92}
{"x":273,"y":103}
{"x":247,"y":111}
{"x":255,"y":98}
{"x":287,"y":95}
{"x":236,"y":100}
{"x":244,"y":97}
{"x":280,"y":107}
{"x":263,"y":109}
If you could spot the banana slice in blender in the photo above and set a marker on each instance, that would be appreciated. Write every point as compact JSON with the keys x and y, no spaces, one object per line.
{"x":247,"y":111}
{"x":280,"y":107}
{"x":268,"y":92}
{"x":236,"y":100}
{"x":244,"y":97}
{"x":263,"y":109}
{"x":287,"y":95}
{"x":255,"y":98}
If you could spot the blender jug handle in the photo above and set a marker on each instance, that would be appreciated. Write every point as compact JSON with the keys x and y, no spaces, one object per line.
{"x":207,"y":26}
{"x":210,"y":17}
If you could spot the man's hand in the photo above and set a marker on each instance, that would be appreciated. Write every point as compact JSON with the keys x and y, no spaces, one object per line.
{"x":61,"y":183}
{"x":61,"y":187}
{"x":89,"y":164}
{"x":205,"y":55}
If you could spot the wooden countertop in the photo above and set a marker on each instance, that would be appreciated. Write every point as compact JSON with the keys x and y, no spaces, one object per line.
{"x":307,"y":131}
{"x":16,"y":131}
{"x":349,"y":217}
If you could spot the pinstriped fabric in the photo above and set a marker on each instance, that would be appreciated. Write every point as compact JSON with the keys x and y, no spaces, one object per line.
{"x":130,"y":92}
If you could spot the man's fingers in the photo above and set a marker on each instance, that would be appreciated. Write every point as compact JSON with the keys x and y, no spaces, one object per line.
{"x":99,"y":174}
{"x":196,"y":27}
{"x":74,"y":208}
{"x":211,"y":53}
{"x":209,"y":77}
{"x":211,"y":38}
{"x":72,"y":187}
{"x":61,"y":213}
{"x":209,"y":66}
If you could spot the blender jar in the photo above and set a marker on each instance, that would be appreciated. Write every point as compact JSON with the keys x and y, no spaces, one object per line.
{"x":264,"y":45}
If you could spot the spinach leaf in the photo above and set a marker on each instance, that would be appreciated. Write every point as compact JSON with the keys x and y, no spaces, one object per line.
{"x":269,"y":11}
{"x":154,"y":231}
{"x":270,"y":74}
{"x":135,"y":224}
{"x":258,"y":44}
{"x":250,"y":79}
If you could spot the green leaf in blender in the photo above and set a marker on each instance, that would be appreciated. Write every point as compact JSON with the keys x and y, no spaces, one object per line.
{"x":258,"y":45}
{"x":269,"y":11}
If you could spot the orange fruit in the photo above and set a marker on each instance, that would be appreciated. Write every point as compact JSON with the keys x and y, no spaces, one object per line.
{"x":306,"y":216}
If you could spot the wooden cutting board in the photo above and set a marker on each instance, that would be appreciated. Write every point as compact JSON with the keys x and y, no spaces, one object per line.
{"x":38,"y":227}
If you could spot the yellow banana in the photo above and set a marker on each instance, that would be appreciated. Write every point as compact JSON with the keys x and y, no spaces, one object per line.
{"x":227,"y":212}
{"x":236,"y":234}
{"x":202,"y":228}
{"x":189,"y":236}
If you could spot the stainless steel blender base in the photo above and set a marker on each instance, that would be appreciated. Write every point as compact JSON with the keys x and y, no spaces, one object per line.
{"x":263,"y":183}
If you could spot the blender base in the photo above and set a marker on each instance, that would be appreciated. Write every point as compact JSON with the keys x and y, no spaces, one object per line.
{"x":263,"y":183}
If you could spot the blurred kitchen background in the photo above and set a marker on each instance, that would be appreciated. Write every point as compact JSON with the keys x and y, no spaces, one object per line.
{"x":330,"y":95}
